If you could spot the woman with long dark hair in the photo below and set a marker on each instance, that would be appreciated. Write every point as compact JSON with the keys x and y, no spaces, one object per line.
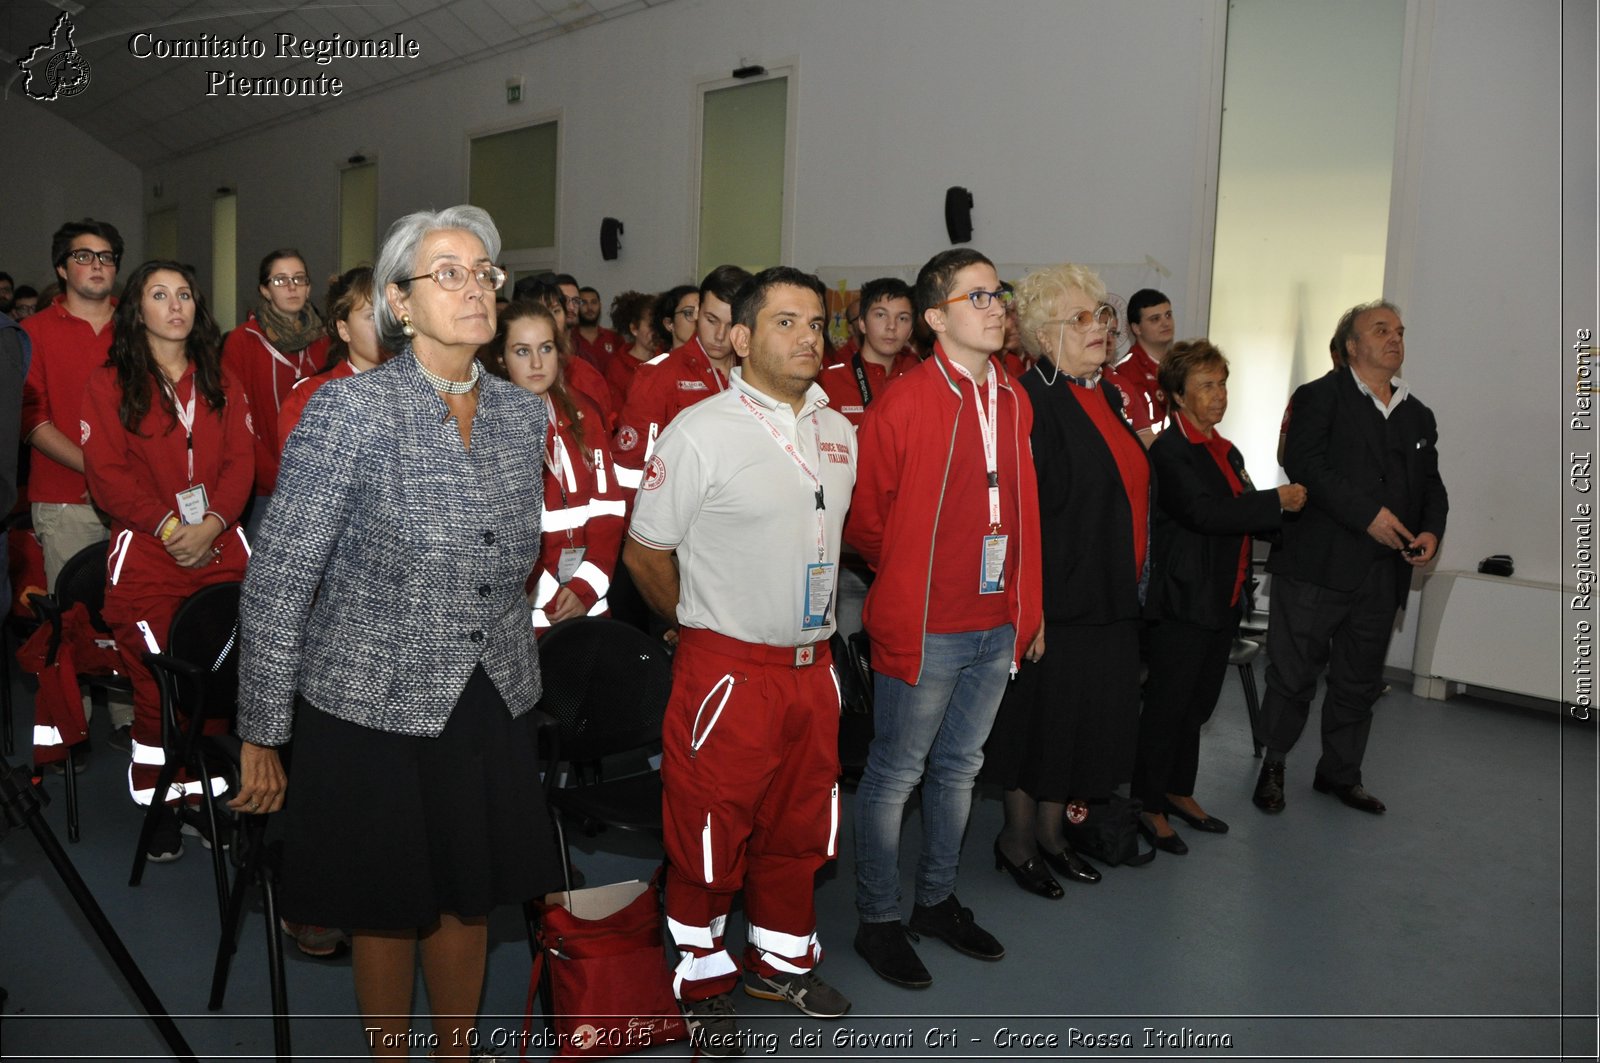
{"x":168,"y":455}
{"x":583,"y":506}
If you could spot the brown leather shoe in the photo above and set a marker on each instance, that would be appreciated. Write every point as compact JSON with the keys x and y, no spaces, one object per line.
{"x":1269,"y":788}
{"x":1355,"y":795}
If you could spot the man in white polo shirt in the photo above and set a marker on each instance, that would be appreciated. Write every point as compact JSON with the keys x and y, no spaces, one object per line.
{"x":735,"y":536}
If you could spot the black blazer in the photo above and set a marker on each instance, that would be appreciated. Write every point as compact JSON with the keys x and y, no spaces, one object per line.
{"x":1085,"y":522}
{"x":1337,"y":446}
{"x":1199,"y":529}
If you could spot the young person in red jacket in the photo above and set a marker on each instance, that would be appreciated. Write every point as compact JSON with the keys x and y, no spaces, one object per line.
{"x":352,"y":343}
{"x":667,"y":385}
{"x":634,"y":314}
{"x":946,"y":511}
{"x":281,"y":341}
{"x":592,"y":341}
{"x":583,"y":506}
{"x":864,"y":371}
{"x":168,"y":456}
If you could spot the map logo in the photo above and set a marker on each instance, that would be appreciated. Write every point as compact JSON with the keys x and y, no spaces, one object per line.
{"x":55,"y":69}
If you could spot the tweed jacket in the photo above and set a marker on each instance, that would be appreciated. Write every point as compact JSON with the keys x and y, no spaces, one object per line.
{"x":392,"y":561}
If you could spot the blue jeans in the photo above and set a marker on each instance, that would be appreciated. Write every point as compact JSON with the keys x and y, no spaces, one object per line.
{"x":931,"y":732}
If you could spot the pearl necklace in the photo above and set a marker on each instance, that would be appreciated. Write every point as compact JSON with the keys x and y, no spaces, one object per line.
{"x":451,"y":387}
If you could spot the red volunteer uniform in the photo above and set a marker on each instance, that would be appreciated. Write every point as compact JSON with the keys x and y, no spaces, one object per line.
{"x":267,"y":374}
{"x":849,"y":393}
{"x":599,"y":351}
{"x":843,"y":353}
{"x":586,"y":380}
{"x":300,"y":394}
{"x":1135,"y":377}
{"x":582,"y":523}
{"x":137,"y":478}
{"x":66,"y":352}
{"x":663,"y":387}
{"x":920,"y":435}
{"x":620,"y":375}
{"x":750,"y":758}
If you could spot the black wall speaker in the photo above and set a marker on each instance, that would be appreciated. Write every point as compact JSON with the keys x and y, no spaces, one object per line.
{"x":610,"y":244}
{"x":958,"y":214}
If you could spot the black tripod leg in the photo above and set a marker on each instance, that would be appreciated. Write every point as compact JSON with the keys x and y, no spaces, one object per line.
{"x":22,"y":804}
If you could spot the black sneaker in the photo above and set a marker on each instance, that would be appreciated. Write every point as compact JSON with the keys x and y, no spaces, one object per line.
{"x":952,"y":924}
{"x":888,"y":952}
{"x":714,"y":1026}
{"x":166,"y":841}
{"x":195,"y":825}
{"x":807,"y":992}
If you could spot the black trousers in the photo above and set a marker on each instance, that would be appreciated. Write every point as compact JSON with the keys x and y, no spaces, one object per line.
{"x":1346,"y":632}
{"x":1187,"y":667}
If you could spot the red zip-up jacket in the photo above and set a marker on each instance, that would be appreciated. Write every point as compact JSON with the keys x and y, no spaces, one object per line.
{"x":583,"y":507}
{"x":266,"y":380}
{"x":662,"y":388}
{"x":906,"y":444}
{"x":136,"y":477}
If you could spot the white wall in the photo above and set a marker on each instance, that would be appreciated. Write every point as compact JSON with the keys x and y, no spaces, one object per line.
{"x":1474,"y":263}
{"x":54,"y":173}
{"x":1032,"y":104}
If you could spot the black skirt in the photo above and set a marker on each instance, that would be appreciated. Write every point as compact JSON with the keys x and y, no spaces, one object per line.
{"x":387,"y":831}
{"x":1067,"y":724}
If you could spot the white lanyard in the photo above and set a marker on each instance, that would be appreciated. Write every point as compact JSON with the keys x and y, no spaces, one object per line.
{"x":297,"y":367}
{"x":185,"y":414}
{"x":794,"y":453}
{"x":987,"y":426}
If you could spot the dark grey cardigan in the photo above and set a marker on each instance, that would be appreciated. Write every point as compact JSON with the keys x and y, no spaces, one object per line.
{"x":392,"y":561}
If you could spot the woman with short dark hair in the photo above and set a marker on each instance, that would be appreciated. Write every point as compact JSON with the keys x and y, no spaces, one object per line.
{"x":1206,"y":511}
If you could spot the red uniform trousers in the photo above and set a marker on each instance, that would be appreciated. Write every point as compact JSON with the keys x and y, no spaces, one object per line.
{"x":146,"y":584}
{"x":750,"y":770}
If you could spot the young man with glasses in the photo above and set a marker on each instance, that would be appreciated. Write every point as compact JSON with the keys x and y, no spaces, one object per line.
{"x":946,"y":512}
{"x":71,"y":337}
{"x":282,"y":341}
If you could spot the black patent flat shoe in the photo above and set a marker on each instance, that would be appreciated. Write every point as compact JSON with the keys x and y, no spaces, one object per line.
{"x":1031,"y":875}
{"x":1068,"y":864}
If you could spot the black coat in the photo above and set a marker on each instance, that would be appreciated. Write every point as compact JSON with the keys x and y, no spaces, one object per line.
{"x":1199,"y":529}
{"x":1085,"y":522}
{"x":1349,"y":457}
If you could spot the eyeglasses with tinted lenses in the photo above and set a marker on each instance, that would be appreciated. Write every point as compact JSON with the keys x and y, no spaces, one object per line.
{"x":83,"y":256}
{"x":1102,"y":316}
{"x":454,"y":278}
{"x":283,"y":280}
{"x":980,"y":299}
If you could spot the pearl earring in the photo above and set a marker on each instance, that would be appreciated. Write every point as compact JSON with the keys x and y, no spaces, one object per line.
{"x":406,"y":326}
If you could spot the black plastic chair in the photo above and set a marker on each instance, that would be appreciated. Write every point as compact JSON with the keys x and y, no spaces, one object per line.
{"x":606,"y":686}
{"x":20,"y":519}
{"x":82,"y":581}
{"x":854,"y":668}
{"x":1241,"y":656}
{"x":198,"y":677}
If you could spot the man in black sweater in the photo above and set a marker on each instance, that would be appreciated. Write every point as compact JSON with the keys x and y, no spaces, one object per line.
{"x":1366,"y":452}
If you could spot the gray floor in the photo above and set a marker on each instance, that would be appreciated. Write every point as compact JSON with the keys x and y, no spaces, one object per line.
{"x":1460,"y":925}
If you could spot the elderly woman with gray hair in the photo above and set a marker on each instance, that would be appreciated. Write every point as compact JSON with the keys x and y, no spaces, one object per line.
{"x":384,"y":626}
{"x":1064,"y":735}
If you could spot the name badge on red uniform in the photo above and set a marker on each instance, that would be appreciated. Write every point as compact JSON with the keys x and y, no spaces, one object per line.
{"x":993,"y":578}
{"x":192,"y":504}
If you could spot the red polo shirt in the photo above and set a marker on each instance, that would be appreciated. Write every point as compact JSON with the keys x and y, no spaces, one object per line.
{"x":66,"y":352}
{"x":844,"y":389}
{"x":1142,"y":402}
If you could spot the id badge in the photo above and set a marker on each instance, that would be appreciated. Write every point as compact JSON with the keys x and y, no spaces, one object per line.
{"x":192,"y":504}
{"x":567,"y":566}
{"x":819,"y":595}
{"x":992,"y":581}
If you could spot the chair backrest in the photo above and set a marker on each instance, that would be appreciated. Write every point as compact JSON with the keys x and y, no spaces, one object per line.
{"x":205,"y":635}
{"x":606,"y":684}
{"x":83,"y":579}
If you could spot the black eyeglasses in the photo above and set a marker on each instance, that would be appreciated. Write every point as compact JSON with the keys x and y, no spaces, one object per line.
{"x":981,"y":299}
{"x":83,"y":256}
{"x":454,"y":278}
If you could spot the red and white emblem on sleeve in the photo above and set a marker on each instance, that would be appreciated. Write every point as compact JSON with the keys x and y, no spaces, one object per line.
{"x":655,"y":473}
{"x":83,"y":433}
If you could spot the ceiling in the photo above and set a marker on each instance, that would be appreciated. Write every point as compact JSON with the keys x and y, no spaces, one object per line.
{"x":156,"y":109}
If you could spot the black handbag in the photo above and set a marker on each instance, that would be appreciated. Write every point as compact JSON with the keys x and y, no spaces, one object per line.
{"x":1110,"y":833}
